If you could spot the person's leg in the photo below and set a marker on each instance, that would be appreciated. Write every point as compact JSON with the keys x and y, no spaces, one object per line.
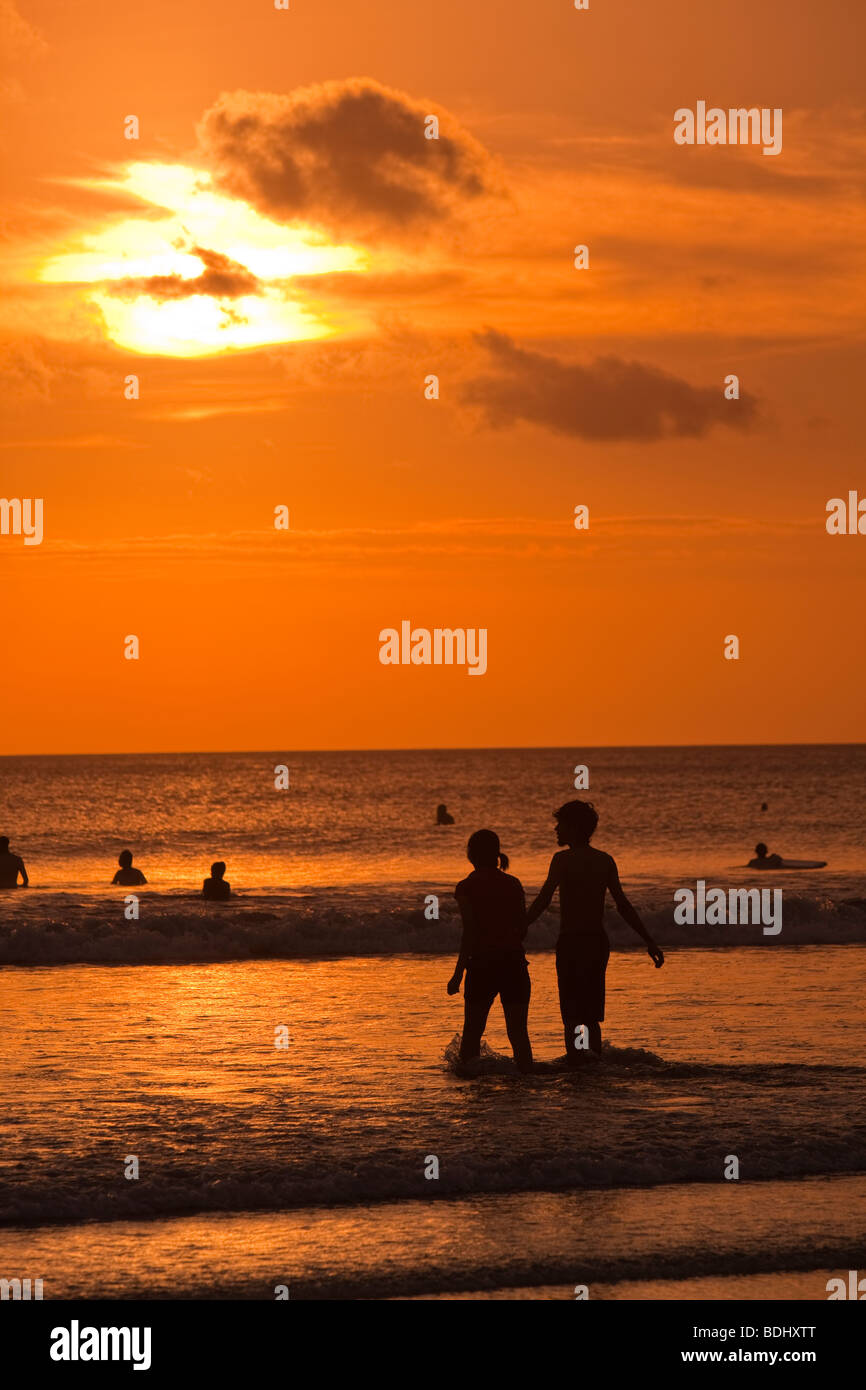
{"x":577,"y":1040}
{"x":478,"y":995}
{"x":565,"y":979}
{"x":514,"y":992}
{"x":598,"y":1012}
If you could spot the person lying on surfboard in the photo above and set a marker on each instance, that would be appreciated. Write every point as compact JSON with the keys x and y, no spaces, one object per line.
{"x":764,"y":860}
{"x":775,"y":861}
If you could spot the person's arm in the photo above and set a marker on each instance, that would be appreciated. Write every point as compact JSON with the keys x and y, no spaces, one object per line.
{"x":629,"y":915}
{"x":545,"y":897}
{"x":23,"y":872}
{"x":141,"y":877}
{"x":468,"y":921}
{"x":116,"y":878}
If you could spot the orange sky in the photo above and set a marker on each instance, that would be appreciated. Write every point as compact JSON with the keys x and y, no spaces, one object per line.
{"x":303,"y":207}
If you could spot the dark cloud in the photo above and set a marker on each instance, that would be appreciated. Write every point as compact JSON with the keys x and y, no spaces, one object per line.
{"x":348,"y":156}
{"x":610,"y":399}
{"x":222,"y":278}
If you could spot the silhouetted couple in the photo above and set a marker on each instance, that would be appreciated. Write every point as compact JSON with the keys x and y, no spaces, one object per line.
{"x":495,"y":921}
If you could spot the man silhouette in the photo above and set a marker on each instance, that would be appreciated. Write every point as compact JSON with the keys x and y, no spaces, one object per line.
{"x":11,"y":866}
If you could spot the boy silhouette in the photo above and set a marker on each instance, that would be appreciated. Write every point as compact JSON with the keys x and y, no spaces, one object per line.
{"x":583,"y":876}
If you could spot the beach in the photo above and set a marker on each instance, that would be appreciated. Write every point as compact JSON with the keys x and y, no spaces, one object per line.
{"x":284,"y":1073}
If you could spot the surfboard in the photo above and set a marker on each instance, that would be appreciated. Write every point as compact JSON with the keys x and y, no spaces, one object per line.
{"x":790,"y":864}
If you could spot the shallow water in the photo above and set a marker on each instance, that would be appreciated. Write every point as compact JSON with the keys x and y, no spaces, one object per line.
{"x":177,"y":1065}
{"x":634,"y":1243}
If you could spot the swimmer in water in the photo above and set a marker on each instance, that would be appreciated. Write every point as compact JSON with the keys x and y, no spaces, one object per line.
{"x":127,"y":876}
{"x":217,"y":888}
{"x":11,"y":865}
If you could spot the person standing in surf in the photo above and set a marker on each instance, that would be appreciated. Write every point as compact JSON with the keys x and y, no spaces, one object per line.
{"x":493,"y":911}
{"x":583,"y":876}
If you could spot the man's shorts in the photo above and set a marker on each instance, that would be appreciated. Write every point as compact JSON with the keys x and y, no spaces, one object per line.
{"x":581,"y":962}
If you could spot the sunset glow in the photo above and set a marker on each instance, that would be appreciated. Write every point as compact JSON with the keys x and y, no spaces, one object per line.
{"x":393,"y":337}
{"x":146,"y":248}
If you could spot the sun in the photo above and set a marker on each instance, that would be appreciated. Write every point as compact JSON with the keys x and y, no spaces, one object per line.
{"x":139,"y":272}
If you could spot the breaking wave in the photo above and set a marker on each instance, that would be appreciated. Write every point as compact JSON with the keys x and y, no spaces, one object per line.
{"x":65,"y":928}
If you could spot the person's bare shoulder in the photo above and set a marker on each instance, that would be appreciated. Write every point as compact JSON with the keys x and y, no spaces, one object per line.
{"x":603,"y":863}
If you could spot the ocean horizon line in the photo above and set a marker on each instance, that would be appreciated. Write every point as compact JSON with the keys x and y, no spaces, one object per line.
{"x":440,"y":748}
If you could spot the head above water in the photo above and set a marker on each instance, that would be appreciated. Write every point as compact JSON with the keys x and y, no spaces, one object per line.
{"x":761,"y":850}
{"x":124,"y":859}
{"x":575,"y":823}
{"x":218,"y":869}
{"x":483,"y":851}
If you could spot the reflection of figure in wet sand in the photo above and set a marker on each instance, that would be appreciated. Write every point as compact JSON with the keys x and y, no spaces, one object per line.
{"x":493,"y":907}
{"x":443,"y":817}
{"x":217,"y":888}
{"x":583,"y":876}
{"x":11,"y":866}
{"x":126,"y":875}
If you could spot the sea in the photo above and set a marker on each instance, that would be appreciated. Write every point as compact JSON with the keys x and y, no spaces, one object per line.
{"x":229,"y":1100}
